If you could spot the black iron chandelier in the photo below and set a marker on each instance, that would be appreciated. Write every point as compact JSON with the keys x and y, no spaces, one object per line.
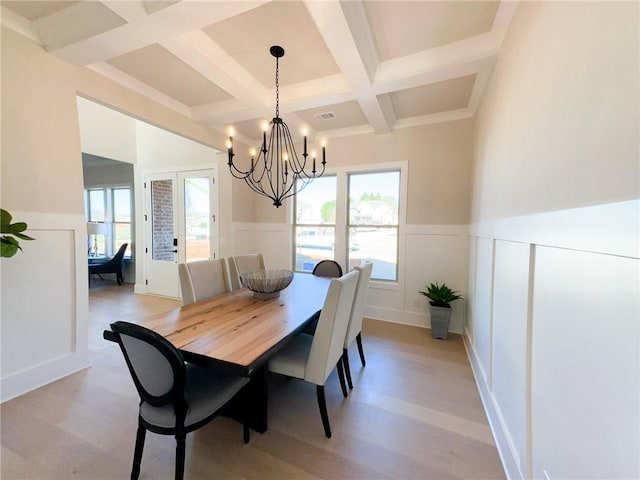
{"x":277,"y":172}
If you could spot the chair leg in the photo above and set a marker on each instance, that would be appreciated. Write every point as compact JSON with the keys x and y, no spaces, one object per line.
{"x":360,"y":350}
{"x":347,"y":368}
{"x":180,"y":449}
{"x":323,"y":410}
{"x":137,"y":453}
{"x":246,"y":433}
{"x":343,"y":385}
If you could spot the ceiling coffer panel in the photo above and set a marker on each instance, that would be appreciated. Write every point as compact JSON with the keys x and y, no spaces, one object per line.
{"x":160,"y":69}
{"x":437,"y":97}
{"x":403,"y":28}
{"x":247,"y":38}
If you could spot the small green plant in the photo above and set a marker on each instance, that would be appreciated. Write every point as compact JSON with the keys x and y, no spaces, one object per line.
{"x":9,"y":233}
{"x":440,"y":295}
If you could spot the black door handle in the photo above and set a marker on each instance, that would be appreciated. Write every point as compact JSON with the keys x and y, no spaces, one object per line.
{"x":174,"y":251}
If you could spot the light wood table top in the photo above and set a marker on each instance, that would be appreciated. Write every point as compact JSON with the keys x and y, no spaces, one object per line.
{"x":236,"y":328}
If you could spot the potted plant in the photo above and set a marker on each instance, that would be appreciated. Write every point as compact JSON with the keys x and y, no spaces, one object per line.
{"x":440,"y":298}
{"x":9,"y":233}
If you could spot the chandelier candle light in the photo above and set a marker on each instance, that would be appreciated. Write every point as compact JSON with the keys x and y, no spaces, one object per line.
{"x":277,"y":172}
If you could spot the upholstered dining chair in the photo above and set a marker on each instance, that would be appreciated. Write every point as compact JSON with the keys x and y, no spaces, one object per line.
{"x":114,"y":265}
{"x":354,"y":331}
{"x":313,"y":357}
{"x":203,"y":279}
{"x":327,"y":268}
{"x":238,"y":264}
{"x":175,"y":397}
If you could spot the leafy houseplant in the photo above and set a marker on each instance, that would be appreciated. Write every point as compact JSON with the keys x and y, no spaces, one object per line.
{"x":440,"y":298}
{"x":9,"y":233}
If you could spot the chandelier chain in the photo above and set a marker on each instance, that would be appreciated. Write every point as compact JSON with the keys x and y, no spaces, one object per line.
{"x":277,"y":89}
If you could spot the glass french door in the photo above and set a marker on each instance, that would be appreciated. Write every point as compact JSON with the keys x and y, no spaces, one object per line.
{"x":180,"y":225}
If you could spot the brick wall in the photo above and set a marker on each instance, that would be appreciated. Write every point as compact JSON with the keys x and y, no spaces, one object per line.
{"x":162,"y":220}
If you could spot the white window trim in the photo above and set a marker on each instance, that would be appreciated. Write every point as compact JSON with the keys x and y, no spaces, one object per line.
{"x":341,"y":173}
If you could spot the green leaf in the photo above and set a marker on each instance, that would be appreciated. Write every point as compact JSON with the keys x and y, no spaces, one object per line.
{"x":8,"y":247}
{"x":22,"y":236}
{"x":17,"y":227}
{"x":5,"y":218}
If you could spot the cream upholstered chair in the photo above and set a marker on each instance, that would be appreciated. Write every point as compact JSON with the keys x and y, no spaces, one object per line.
{"x":238,"y":264}
{"x":354,"y":332}
{"x":313,"y":357}
{"x":203,"y":279}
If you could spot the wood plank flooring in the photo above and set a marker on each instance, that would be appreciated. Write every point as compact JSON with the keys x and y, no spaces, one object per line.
{"x":414,"y":413}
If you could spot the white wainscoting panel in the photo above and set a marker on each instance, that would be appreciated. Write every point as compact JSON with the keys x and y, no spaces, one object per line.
{"x":482,"y":311}
{"x":586,"y":373}
{"x":553,"y":338}
{"x":44,"y":304}
{"x":432,"y":252}
{"x":437,"y":253}
{"x":510,"y":343}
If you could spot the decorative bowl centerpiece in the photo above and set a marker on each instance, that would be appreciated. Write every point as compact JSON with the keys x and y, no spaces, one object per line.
{"x":266,"y":283}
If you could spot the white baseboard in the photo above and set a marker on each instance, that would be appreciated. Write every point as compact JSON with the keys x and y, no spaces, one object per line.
{"x":508,"y":456}
{"x":403,"y":317}
{"x":24,"y":381}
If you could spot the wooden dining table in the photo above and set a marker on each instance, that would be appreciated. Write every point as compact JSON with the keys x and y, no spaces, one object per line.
{"x":238,"y":332}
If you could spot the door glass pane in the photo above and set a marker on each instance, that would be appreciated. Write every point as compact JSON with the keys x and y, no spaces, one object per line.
{"x":197,"y":216}
{"x":162,"y":220}
{"x":315,"y":223}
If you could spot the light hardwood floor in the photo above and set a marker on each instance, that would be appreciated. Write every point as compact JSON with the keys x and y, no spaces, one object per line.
{"x":414,"y":413}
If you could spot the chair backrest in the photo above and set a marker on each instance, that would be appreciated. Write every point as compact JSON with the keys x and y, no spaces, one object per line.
{"x":238,"y":264}
{"x":156,"y":366}
{"x":118,"y":258}
{"x":357,"y":312}
{"x":203,"y":279}
{"x":328,"y":338}
{"x":327,"y":268}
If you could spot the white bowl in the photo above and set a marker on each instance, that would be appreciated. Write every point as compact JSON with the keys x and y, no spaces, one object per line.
{"x":266,"y":283}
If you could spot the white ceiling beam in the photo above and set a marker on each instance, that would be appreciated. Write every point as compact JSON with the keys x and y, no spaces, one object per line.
{"x":339,"y":33}
{"x":174,"y":20}
{"x":136,"y":85}
{"x":19,"y":24}
{"x":206,"y":57}
{"x":441,"y":63}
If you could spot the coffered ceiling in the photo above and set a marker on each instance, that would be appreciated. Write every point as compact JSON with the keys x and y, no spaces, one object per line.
{"x":350,"y":66}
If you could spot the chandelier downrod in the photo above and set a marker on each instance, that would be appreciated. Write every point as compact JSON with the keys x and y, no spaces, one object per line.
{"x":277,"y":172}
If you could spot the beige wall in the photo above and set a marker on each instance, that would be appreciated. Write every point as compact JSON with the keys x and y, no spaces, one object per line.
{"x":558,"y":126}
{"x":554,"y":291}
{"x":41,"y":155}
{"x":439,"y":157}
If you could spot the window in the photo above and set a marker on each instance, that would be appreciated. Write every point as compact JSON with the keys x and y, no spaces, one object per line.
{"x":351,"y":217}
{"x":121,"y":202}
{"x":111,"y":206}
{"x":373,"y":222}
{"x":315,"y":223}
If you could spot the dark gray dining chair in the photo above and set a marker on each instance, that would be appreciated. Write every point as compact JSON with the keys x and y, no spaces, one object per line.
{"x":327,"y":268}
{"x":113,"y":265}
{"x":175,"y":397}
